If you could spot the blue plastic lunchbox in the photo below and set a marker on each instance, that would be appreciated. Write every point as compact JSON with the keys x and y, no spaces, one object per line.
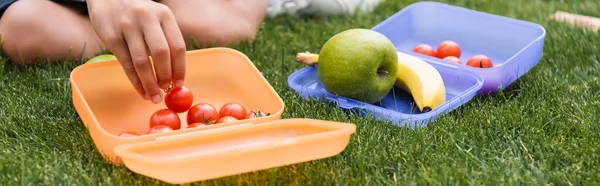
{"x":514,"y":46}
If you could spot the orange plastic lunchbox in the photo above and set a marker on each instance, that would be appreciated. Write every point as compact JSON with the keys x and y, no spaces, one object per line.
{"x":108,"y":105}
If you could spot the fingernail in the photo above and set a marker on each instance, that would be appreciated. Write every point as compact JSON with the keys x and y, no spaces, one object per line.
{"x":156,"y":98}
{"x":179,"y":83}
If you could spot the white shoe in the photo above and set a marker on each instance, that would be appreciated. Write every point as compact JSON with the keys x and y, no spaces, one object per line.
{"x":320,"y":7}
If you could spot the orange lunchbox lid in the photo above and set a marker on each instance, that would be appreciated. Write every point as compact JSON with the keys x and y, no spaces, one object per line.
{"x":244,"y":148}
{"x":108,"y":106}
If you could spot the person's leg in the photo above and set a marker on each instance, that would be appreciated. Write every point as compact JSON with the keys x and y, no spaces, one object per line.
{"x":42,"y":29}
{"x":320,"y":7}
{"x":218,"y":22}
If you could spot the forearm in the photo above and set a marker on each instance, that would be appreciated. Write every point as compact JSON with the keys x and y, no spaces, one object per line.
{"x":94,"y":4}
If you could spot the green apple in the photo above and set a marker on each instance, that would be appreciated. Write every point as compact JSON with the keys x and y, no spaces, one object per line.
{"x":358,"y":63}
{"x":101,"y":58}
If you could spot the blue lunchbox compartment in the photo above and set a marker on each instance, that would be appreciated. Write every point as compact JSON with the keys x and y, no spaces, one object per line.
{"x":514,"y":46}
{"x":397,"y":106}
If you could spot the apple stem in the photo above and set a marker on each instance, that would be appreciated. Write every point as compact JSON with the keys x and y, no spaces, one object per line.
{"x":307,"y":58}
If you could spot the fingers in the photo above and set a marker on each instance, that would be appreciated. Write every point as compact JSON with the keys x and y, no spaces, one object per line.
{"x":142,"y":65}
{"x":177,"y":48}
{"x":159,"y":49}
{"x":120,"y":50}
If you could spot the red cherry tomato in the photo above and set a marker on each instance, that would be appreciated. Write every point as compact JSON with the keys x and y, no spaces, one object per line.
{"x":480,"y":61}
{"x":165,"y":117}
{"x":129,"y":134}
{"x":453,"y":59}
{"x":226,"y":119}
{"x":159,"y":129}
{"x":256,"y":114}
{"x":233,"y":109}
{"x":179,"y":99}
{"x":194,"y":125}
{"x":251,"y":115}
{"x":202,"y":113}
{"x":425,"y":49}
{"x":448,"y":48}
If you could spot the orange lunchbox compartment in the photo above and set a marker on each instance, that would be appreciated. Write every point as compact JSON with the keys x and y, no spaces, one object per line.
{"x":108,"y":105}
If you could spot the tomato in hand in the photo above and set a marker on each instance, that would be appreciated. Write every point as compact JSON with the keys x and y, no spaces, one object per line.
{"x":194,"y":125}
{"x":448,"y":48}
{"x":179,"y":99}
{"x":165,"y":117}
{"x":425,"y":49}
{"x":480,"y":61}
{"x":453,"y":59}
{"x":159,"y":129}
{"x":128,"y":134}
{"x":202,"y":113}
{"x":233,"y":109}
{"x":226,"y":119}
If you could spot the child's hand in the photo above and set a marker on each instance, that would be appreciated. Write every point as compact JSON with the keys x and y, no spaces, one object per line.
{"x":131,"y":29}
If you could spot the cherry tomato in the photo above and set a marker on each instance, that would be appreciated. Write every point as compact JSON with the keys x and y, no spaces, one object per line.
{"x":179,"y":99}
{"x":251,"y":115}
{"x":194,"y":125}
{"x":233,"y":109}
{"x":453,"y":59}
{"x":425,"y":49}
{"x":448,"y":48}
{"x":480,"y":61}
{"x":226,"y":119}
{"x":202,"y":113}
{"x":165,"y":117}
{"x":256,"y":114}
{"x":159,"y":129}
{"x":129,"y":134}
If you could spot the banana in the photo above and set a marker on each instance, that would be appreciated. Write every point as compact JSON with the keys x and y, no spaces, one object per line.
{"x":422,"y":81}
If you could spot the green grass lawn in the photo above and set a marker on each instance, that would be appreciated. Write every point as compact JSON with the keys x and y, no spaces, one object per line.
{"x":541,"y":130}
